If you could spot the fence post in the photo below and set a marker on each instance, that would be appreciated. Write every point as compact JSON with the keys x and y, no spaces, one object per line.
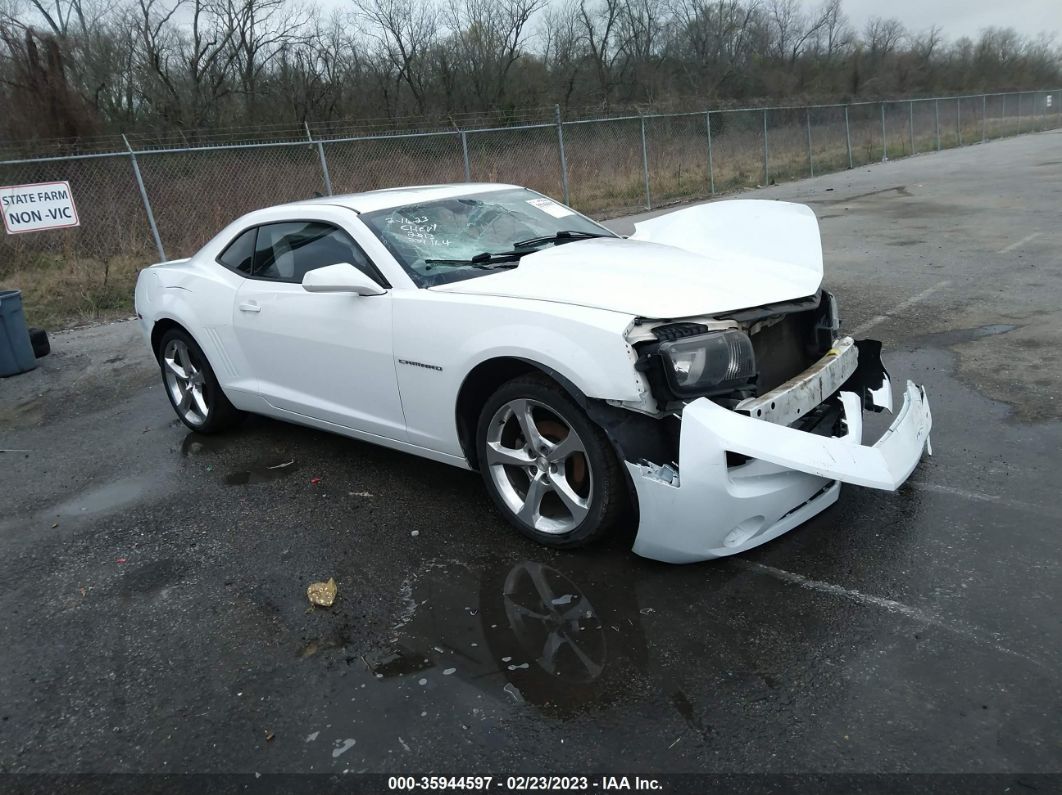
{"x":1019,"y":113}
{"x":936,"y":122}
{"x":910,"y":119}
{"x":984,"y":118}
{"x":1003,"y":118}
{"x":958,"y":119}
{"x":147,"y":202}
{"x":464,"y":151}
{"x":884,"y":139}
{"x":811,"y":157}
{"x":645,"y":163}
{"x":766,"y":153}
{"x":563,"y":158}
{"x":711,"y":165}
{"x":848,"y":137}
{"x":321,"y":155}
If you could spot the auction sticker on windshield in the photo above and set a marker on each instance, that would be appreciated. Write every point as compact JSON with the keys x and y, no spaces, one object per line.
{"x":34,"y":208}
{"x":550,"y":207}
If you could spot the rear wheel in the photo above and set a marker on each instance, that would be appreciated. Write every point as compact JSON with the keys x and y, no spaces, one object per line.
{"x":192,"y":387}
{"x":549,"y":469}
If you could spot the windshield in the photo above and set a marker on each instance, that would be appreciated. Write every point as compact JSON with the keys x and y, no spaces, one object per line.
{"x":436,"y":241}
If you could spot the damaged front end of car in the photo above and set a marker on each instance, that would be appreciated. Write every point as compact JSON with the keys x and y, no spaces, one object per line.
{"x":762,"y":416}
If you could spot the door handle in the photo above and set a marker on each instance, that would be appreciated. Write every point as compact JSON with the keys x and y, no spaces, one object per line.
{"x":250,"y":308}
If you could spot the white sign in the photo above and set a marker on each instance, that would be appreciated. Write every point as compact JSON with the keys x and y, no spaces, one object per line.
{"x":32,"y":208}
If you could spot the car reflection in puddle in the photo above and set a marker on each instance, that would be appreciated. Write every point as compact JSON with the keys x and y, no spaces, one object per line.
{"x":555,"y":639}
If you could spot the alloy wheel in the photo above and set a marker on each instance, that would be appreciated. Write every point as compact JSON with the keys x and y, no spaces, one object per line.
{"x":539,"y":466}
{"x":186,"y":382}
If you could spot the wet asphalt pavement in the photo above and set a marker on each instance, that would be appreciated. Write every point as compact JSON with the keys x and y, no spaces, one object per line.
{"x":153,"y":609}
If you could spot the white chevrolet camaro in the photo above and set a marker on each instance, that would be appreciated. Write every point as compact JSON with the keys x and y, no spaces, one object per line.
{"x":693,"y":374}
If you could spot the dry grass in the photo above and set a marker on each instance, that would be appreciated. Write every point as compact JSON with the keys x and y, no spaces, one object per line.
{"x":87,"y":274}
{"x":59,"y":292}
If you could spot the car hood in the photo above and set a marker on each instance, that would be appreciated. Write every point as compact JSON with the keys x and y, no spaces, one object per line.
{"x":703,"y":260}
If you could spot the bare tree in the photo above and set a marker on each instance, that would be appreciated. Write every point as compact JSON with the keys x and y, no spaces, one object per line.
{"x":563,"y":50}
{"x":883,"y":36}
{"x":600,"y":30}
{"x":488,"y":36}
{"x":792,"y":29}
{"x":406,"y":31}
{"x":188,"y":69}
{"x":835,"y":34}
{"x":714,"y":40}
{"x":261,"y":30}
{"x":64,"y":17}
{"x":41,"y":100}
{"x":76,"y":66}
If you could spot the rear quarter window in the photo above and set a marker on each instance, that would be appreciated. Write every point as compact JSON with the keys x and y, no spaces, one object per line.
{"x":239,"y":254}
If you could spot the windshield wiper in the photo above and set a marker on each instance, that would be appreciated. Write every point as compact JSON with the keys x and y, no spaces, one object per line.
{"x":560,"y":237}
{"x":486,"y":261}
{"x":496,"y":260}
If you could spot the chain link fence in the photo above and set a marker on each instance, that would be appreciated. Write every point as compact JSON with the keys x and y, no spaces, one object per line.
{"x":140,"y":205}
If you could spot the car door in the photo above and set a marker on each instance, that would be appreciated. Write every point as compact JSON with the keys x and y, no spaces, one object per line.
{"x":327,"y":356}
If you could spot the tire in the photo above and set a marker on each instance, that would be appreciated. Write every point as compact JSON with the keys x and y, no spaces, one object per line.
{"x":571,"y":491}
{"x":39,"y":341}
{"x":192,"y":387}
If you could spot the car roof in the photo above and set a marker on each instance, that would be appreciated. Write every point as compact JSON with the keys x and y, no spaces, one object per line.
{"x":397,"y":197}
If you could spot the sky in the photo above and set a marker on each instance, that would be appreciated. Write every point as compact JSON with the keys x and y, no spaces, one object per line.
{"x":956,"y":18}
{"x":959,"y":18}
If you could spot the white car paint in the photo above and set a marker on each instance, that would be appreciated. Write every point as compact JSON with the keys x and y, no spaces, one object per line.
{"x":779,"y":233}
{"x":793,"y":476}
{"x":388,"y":368}
{"x":718,"y":254}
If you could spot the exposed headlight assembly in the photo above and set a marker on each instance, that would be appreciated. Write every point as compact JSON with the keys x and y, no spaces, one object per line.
{"x":712,"y":363}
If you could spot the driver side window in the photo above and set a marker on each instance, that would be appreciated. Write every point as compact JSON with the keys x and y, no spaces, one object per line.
{"x":288,"y":251}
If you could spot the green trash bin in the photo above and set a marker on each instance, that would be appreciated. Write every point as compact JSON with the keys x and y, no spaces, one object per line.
{"x":16,"y":351}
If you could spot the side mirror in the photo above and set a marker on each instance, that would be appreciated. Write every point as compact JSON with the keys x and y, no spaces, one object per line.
{"x":340,"y":278}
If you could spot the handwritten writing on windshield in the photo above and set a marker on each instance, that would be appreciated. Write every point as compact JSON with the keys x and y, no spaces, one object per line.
{"x":419,"y":230}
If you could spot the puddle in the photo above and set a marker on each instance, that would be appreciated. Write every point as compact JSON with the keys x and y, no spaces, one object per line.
{"x":899,"y":190}
{"x":400,"y":662}
{"x":990,"y":330}
{"x":151,"y":578}
{"x":684,"y":707}
{"x":279,"y":466}
{"x":527,"y":632}
{"x":262,"y":473}
{"x":944,"y":339}
{"x":106,"y":498}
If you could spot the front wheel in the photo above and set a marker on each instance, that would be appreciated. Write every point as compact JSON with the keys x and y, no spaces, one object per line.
{"x":549,"y":469}
{"x":191,"y":385}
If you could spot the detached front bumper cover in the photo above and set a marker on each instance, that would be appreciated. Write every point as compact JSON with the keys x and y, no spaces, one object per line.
{"x":706,"y":509}
{"x":885,"y":465}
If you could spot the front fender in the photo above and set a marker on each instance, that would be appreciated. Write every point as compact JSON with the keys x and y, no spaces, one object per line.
{"x":440,"y":338}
